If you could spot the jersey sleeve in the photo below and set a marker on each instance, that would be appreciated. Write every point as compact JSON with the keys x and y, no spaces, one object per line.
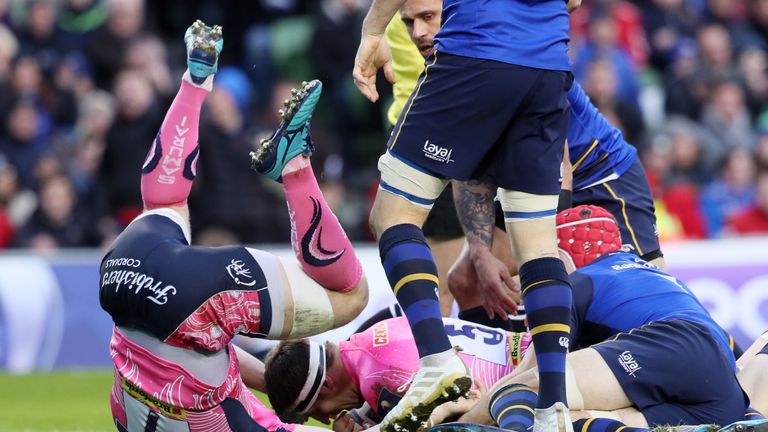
{"x":583,"y":290}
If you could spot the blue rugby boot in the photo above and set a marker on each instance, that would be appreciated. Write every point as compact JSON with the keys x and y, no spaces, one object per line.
{"x":204,"y":45}
{"x":292,"y":136}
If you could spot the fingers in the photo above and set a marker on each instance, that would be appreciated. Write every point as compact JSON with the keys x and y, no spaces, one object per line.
{"x":389,"y":74}
{"x":366,"y":84}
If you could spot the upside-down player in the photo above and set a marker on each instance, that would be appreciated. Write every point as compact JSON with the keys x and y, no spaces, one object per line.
{"x":176,"y":307}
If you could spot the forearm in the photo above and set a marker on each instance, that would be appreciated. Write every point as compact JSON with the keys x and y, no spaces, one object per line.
{"x":251,"y":370}
{"x":379,"y":15}
{"x":475,"y":210}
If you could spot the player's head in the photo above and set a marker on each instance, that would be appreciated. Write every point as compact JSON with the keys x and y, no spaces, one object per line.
{"x":585,"y":233}
{"x":306,"y":378}
{"x":422,"y":19}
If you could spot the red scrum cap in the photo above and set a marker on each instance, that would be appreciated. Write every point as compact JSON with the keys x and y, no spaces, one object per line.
{"x":587,"y":232}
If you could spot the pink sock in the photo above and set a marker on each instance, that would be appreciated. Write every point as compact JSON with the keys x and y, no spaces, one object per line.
{"x":171,"y":164}
{"x":318,"y":240}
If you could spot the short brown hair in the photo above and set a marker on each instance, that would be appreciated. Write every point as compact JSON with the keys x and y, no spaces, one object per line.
{"x":285,"y":372}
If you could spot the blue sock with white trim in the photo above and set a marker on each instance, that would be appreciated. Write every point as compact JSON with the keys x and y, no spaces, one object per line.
{"x":412,"y":273}
{"x":547,"y":297}
{"x":511,"y":407}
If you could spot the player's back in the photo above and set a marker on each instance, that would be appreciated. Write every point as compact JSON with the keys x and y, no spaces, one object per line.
{"x":597,"y":149}
{"x":619,"y":292}
{"x":531,"y":33}
{"x":152,"y":281}
{"x":383,"y":358}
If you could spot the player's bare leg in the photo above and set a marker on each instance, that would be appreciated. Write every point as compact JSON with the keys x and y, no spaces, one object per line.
{"x":329,"y":289}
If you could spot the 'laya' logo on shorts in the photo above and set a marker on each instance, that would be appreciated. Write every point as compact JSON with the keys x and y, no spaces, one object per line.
{"x":240,"y":273}
{"x":629,"y":363}
{"x":437,"y":153}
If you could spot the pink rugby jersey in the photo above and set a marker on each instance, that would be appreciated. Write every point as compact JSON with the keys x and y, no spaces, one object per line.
{"x":383,"y":358}
{"x":176,"y":309}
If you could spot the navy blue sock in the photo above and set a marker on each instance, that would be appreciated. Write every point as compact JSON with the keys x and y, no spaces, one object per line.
{"x":547,"y":297}
{"x":412,"y":274}
{"x":512,"y":407}
{"x":603,"y":425}
{"x":753,"y":414}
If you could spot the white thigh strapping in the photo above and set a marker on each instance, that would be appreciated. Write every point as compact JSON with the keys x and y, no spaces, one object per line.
{"x":411,"y":184}
{"x":522,"y":206}
{"x":272,"y":268}
{"x":312,"y":309}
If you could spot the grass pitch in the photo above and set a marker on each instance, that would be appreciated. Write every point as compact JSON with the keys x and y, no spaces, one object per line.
{"x":59,"y":402}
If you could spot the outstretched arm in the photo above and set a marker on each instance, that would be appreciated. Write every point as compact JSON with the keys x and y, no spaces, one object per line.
{"x":251,"y":370}
{"x":475,"y":210}
{"x":373,"y":52}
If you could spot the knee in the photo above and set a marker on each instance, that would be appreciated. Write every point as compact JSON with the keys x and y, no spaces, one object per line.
{"x":375,"y":224}
{"x":354,"y":302}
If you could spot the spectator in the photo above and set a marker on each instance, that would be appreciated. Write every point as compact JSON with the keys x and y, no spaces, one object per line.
{"x":22,"y":145}
{"x":732,"y":15}
{"x":58,"y":222}
{"x":753,"y":220}
{"x":107,"y":46}
{"x":148,"y":55}
{"x":688,"y":87}
{"x":127,"y":144}
{"x":671,"y":27}
{"x":753,"y":64}
{"x":761,"y":152}
{"x":602,"y":43}
{"x":79,"y":18}
{"x":230,"y":197}
{"x":727,"y":118}
{"x":39,"y":35}
{"x":687,"y":161}
{"x":628,"y":22}
{"x":731,"y":193}
{"x":17,"y":202}
{"x":601,"y":85}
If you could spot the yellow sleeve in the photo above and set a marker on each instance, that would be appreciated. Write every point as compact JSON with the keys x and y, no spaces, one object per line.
{"x":407,"y":64}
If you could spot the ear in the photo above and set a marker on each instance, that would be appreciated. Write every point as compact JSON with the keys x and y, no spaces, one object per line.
{"x":329,"y":382}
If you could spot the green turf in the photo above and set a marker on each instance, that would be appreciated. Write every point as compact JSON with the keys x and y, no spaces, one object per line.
{"x":58,"y":402}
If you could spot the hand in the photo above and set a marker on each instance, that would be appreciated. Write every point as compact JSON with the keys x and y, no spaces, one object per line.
{"x":494,"y":282}
{"x":372,"y":55}
{"x":450,"y":410}
{"x":344,"y":423}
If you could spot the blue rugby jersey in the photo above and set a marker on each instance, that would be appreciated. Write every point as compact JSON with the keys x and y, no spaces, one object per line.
{"x":619,"y":292}
{"x":531,"y":33}
{"x":597,"y":149}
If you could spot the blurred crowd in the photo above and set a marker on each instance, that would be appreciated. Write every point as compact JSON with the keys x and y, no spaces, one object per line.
{"x":84,"y":85}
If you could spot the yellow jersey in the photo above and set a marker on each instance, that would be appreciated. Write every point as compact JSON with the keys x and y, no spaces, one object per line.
{"x":407,"y":65}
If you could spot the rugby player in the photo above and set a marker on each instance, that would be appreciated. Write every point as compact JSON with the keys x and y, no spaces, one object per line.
{"x":491,"y":105}
{"x":375,"y":366}
{"x":176,"y":307}
{"x":605,"y":172}
{"x":645,"y":357}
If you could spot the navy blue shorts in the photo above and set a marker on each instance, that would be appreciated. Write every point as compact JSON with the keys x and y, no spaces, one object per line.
{"x":675,"y":372}
{"x":479,"y":119}
{"x":629,"y":199}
